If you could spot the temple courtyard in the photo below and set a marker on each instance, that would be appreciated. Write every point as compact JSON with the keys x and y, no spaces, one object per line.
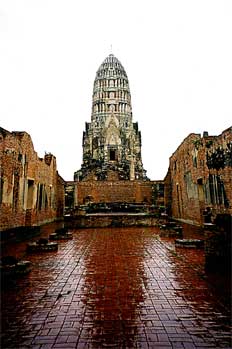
{"x":115,"y":288}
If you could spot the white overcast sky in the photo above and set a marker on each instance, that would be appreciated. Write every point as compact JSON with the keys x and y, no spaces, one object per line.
{"x":177,"y":55}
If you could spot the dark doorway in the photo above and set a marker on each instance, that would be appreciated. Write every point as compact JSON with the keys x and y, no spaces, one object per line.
{"x":112,"y":155}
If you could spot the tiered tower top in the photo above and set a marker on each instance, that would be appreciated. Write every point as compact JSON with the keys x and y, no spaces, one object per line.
{"x":111,"y":67}
{"x":111,"y":92}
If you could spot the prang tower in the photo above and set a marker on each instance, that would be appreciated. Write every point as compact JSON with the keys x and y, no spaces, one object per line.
{"x":111,"y":141}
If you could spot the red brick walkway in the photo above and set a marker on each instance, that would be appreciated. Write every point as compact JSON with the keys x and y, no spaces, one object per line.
{"x":114,"y":288}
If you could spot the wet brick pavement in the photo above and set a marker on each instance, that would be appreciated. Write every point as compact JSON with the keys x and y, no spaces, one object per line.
{"x":114,"y":288}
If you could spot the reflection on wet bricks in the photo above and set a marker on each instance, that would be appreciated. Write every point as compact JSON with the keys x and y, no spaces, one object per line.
{"x":114,"y":288}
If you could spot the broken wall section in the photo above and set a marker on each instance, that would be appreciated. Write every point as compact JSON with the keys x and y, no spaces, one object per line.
{"x":200,"y":177}
{"x":31,"y":190}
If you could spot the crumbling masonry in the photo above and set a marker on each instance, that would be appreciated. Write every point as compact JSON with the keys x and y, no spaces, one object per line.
{"x":200,"y":178}
{"x":31,"y":190}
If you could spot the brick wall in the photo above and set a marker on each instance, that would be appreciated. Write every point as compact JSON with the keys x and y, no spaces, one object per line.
{"x":114,"y":191}
{"x":31,"y":191}
{"x":200,"y":176}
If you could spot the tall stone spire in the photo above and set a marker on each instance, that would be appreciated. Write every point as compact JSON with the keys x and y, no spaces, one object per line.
{"x":111,"y":141}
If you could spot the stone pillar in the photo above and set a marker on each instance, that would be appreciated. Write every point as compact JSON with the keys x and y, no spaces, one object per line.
{"x":132,"y":169}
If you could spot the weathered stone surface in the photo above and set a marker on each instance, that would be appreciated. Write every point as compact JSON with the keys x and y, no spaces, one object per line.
{"x":189,"y":243}
{"x":111,"y":220}
{"x":42,"y":246}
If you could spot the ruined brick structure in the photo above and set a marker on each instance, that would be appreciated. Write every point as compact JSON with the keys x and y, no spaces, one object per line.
{"x":31,"y":190}
{"x":112,"y":169}
{"x":200,"y":176}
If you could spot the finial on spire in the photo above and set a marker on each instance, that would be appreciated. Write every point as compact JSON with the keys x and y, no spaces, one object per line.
{"x":111,"y":49}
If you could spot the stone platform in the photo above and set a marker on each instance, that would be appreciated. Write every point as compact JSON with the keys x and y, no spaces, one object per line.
{"x":114,"y":219}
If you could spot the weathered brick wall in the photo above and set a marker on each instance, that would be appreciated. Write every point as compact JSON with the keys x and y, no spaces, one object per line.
{"x":31,"y":191}
{"x":200,"y":176}
{"x":114,"y":191}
